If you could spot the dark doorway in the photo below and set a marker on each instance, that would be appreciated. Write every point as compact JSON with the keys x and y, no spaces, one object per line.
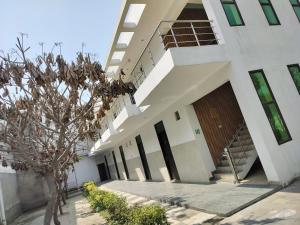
{"x":109,"y":176}
{"x":143,"y":157}
{"x":166,"y":150}
{"x":124,"y":162}
{"x":219,"y":115}
{"x":116,"y":165}
{"x":102,"y":172}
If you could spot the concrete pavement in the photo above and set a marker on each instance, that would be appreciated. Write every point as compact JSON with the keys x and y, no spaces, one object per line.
{"x":76,"y":212}
{"x":281,"y":208}
{"x":222,"y":199}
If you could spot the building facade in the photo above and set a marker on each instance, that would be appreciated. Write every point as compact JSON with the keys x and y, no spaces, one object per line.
{"x":218,"y":88}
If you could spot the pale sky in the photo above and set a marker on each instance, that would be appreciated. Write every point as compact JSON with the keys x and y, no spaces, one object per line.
{"x":71,"y":22}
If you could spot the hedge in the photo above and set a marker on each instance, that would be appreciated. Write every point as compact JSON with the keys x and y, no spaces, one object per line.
{"x":117,"y":212}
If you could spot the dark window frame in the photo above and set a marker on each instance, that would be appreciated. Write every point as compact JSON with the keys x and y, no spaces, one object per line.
{"x":295,"y":5}
{"x":294,"y":65}
{"x":271,"y":102}
{"x":238,"y":10}
{"x":271,"y":5}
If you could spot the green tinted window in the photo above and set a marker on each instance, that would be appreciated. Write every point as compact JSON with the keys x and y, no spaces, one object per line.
{"x":295,"y":72}
{"x":296,"y":7}
{"x":232,"y":12}
{"x":277,"y":123}
{"x":270,"y":106}
{"x":269,"y":12}
{"x":262,"y":88}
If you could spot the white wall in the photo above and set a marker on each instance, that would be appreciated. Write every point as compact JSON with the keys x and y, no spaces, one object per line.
{"x":190,"y":152}
{"x":257,"y":45}
{"x":9,"y":188}
{"x":85,"y":170}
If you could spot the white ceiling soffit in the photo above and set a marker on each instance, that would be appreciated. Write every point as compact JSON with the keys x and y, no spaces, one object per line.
{"x":134,"y":14}
{"x":117,"y":57}
{"x":124,"y":40}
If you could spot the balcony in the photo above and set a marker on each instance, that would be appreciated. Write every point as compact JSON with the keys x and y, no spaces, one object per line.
{"x":123,"y":110}
{"x":107,"y":129}
{"x":179,"y":55}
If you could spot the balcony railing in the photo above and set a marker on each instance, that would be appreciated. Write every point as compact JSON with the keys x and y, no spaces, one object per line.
{"x":172,"y":34}
{"x":117,"y":106}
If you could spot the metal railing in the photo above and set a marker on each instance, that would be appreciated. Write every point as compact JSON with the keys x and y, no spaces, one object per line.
{"x":117,"y":107}
{"x":227,"y":152}
{"x":172,"y":34}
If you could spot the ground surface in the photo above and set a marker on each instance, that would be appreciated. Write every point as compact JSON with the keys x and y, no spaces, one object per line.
{"x":221,"y":198}
{"x":76,"y":212}
{"x":176,"y":215}
{"x":281,"y":208}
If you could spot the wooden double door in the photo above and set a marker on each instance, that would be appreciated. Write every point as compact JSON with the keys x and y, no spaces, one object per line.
{"x":219,"y":115}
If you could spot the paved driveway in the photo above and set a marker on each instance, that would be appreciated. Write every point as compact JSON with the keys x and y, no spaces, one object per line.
{"x":223,"y":199}
{"x":281,"y":208}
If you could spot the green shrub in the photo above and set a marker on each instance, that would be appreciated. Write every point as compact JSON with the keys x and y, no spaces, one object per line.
{"x":148,"y":215}
{"x":117,"y":209}
{"x":117,"y":212}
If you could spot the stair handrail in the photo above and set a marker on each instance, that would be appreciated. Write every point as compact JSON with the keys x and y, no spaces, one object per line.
{"x":236,"y":134}
{"x":228,"y":153}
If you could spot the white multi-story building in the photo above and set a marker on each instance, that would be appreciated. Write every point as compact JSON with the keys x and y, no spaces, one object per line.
{"x":218,"y":88}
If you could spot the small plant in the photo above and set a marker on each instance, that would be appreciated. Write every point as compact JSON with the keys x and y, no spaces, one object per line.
{"x":148,"y":215}
{"x":117,"y":212}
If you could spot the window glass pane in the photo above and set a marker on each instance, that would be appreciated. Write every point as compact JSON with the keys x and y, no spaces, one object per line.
{"x":270,"y":106}
{"x":294,"y":2}
{"x":270,"y":14}
{"x":297,"y":11}
{"x":264,"y":1}
{"x":233,"y":14}
{"x":278,"y":126}
{"x":295,"y":72}
{"x":261,"y":87}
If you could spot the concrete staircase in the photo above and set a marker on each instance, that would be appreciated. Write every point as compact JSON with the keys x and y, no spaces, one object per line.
{"x":243,"y":154}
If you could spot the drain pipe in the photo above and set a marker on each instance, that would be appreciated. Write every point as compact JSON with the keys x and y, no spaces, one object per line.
{"x":2,"y":213}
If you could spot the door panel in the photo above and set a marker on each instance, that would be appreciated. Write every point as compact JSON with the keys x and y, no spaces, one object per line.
{"x":166,"y":150}
{"x":143,"y":157}
{"x":102,"y":172}
{"x":219,"y":116}
{"x":124,"y":162}
{"x":116,"y":165}
{"x":108,"y":171}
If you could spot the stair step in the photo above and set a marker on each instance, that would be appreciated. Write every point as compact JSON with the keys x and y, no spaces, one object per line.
{"x":244,"y":136}
{"x":242,"y":148}
{"x":226,"y":177}
{"x":241,"y":155}
{"x":242,"y":142}
{"x":244,"y":131}
{"x":237,"y":162}
{"x":227,"y":169}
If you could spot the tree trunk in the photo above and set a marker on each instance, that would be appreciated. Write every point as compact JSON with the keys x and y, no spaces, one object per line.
{"x":66,"y":185}
{"x":55,"y":212}
{"x":52,"y":199}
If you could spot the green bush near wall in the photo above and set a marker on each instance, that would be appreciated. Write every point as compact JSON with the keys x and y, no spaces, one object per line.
{"x":117,"y":212}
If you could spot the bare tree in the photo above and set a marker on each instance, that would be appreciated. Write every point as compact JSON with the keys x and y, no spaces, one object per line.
{"x":46,"y":107}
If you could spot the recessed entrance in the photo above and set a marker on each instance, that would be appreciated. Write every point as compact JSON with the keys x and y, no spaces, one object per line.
{"x":224,"y":127}
{"x":116,"y":165}
{"x":219,"y":115}
{"x":124,"y":162}
{"x":102,"y":172}
{"x":166,"y":151}
{"x":143,"y":157}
